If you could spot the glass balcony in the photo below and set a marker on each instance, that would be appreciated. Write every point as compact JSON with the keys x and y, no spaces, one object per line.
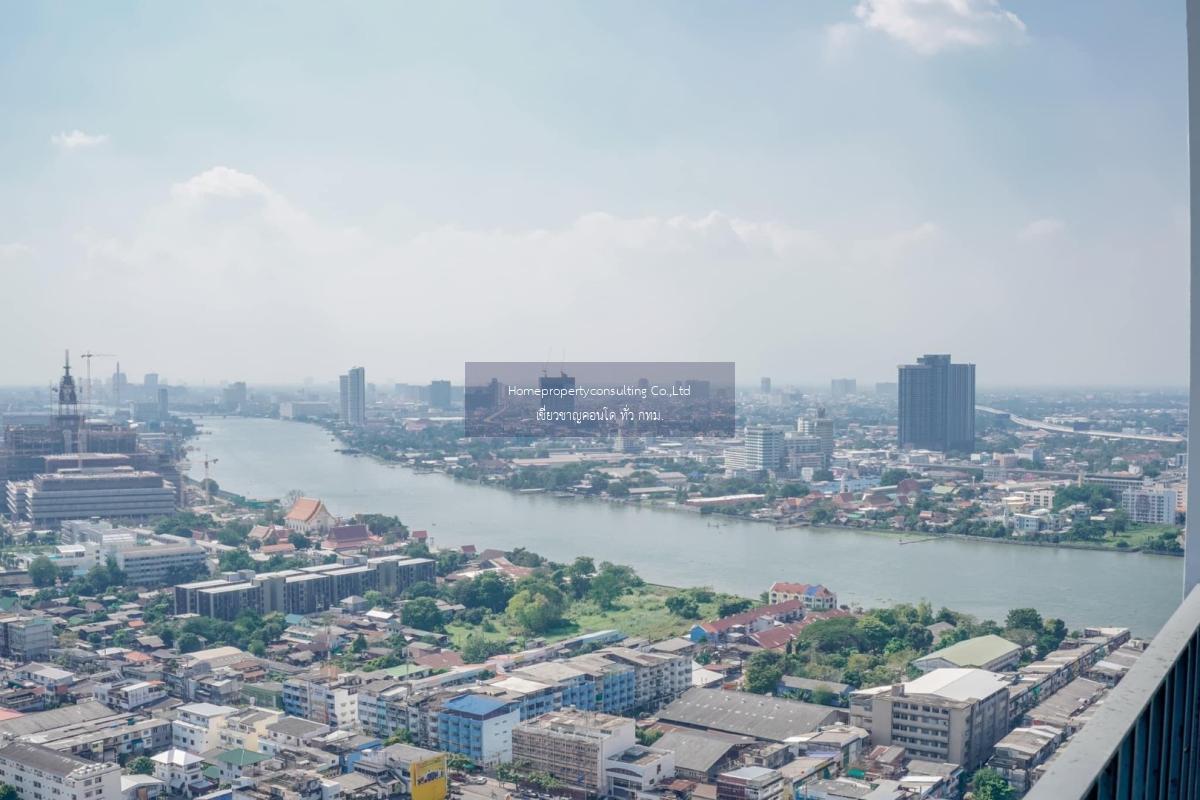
{"x":1144,"y":741}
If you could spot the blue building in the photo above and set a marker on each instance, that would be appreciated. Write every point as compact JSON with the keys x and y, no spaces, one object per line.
{"x":478,"y":727}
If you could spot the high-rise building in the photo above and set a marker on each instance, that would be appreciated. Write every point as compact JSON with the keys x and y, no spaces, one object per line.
{"x":439,"y":394}
{"x":120,"y":384}
{"x":557,"y":392}
{"x":764,"y":385}
{"x":344,"y":398}
{"x":234,"y":396}
{"x":822,"y":428}
{"x":357,"y":397}
{"x":764,"y":447}
{"x":937,"y":404}
{"x":843,"y":387}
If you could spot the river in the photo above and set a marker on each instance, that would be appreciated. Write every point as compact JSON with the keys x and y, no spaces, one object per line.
{"x":264,"y":458}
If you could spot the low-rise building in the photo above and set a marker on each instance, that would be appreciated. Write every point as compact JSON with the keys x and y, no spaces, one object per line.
{"x":478,"y":727}
{"x":35,"y":772}
{"x":814,"y":596}
{"x":990,"y":652}
{"x":751,"y":783}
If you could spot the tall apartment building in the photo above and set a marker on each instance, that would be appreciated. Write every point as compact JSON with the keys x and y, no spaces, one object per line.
{"x":356,"y":397}
{"x":439,"y":394}
{"x":937,"y":404}
{"x":820,"y":427}
{"x":39,"y":773}
{"x":764,"y":447}
{"x":947,"y":715}
{"x":1154,"y":505}
{"x":843,"y":387}
{"x":302,"y":591}
{"x":234,"y":396}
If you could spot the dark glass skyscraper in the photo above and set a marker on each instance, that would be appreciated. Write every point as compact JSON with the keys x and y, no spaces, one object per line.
{"x":937,"y":404}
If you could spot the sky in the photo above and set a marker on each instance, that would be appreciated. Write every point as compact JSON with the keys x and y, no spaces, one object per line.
{"x":277,"y":191}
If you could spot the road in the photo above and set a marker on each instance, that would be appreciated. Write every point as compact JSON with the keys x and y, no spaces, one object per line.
{"x":1046,"y":426}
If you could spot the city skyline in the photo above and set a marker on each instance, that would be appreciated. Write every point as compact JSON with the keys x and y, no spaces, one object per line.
{"x":1022,"y":196}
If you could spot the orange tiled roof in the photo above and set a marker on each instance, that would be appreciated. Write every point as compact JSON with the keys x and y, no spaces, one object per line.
{"x":305,"y":509}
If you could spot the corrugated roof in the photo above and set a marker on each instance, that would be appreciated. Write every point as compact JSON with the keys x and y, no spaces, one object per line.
{"x":976,"y":652}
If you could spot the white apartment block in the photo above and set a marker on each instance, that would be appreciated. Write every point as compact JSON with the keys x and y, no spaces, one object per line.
{"x":39,"y":773}
{"x":198,"y":726}
{"x":1152,"y":505}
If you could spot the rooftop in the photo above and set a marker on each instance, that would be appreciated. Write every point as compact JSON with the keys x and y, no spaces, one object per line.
{"x":976,"y":652}
{"x":957,"y":684}
{"x":767,"y":718}
{"x":43,"y":758}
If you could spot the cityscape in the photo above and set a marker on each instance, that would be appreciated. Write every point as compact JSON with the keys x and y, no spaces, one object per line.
{"x":296,"y":643}
{"x":562,"y":400}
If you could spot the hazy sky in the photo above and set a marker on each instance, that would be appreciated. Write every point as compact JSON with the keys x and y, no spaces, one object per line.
{"x":269,"y":191}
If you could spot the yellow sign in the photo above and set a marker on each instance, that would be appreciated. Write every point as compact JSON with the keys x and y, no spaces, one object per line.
{"x":429,"y":779}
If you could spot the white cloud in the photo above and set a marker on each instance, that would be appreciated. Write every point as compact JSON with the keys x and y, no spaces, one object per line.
{"x":77,"y":140}
{"x":275,"y":292}
{"x":1038,"y":229}
{"x":931,"y":26}
{"x":12,"y":251}
{"x":221,"y":182}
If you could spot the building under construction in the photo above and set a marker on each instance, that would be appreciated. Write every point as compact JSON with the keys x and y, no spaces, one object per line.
{"x":66,"y":440}
{"x":27,"y":442}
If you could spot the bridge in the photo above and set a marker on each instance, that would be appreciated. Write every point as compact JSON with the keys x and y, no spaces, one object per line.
{"x":1161,"y":438}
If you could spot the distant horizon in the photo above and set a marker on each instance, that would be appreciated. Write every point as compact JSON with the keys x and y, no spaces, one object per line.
{"x":832,"y":187}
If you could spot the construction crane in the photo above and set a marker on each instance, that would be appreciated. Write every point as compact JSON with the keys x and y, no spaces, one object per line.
{"x":208,"y":484}
{"x":87,"y":397}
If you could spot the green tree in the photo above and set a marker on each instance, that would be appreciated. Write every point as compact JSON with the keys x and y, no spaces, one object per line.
{"x":479,"y":649}
{"x":142,"y":765}
{"x":683,"y":605}
{"x":422,"y":613}
{"x":763,"y":671}
{"x":537,"y":607}
{"x":42,"y":572}
{"x":987,"y":784}
{"x":1024,"y":618}
{"x":646,"y":737}
{"x":610,"y":583}
{"x":360,"y":644}
{"x":733,"y":606}
{"x":893,"y":476}
{"x":460,"y":763}
{"x":235,"y":560}
{"x":8,"y":793}
{"x":491,"y":590}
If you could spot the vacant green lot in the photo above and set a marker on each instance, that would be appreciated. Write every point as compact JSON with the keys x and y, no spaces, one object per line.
{"x":641,"y":612}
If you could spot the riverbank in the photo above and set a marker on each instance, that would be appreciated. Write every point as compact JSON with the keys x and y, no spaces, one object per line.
{"x":1129,"y":543}
{"x":265,"y":458}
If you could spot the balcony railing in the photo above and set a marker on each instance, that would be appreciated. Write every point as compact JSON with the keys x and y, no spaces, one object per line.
{"x":1143,"y":743}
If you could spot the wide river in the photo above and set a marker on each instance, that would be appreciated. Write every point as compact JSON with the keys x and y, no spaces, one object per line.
{"x":264,"y":459}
